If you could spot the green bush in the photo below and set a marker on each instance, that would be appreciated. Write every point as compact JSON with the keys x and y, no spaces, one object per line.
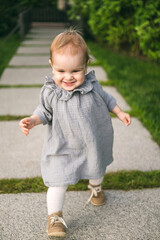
{"x":147,"y":26}
{"x":132,"y":25}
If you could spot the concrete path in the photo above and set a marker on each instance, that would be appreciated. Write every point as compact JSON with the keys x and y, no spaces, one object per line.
{"x":133,"y":215}
{"x":126,"y":216}
{"x":23,"y":158}
{"x":15,"y":106}
{"x":36,"y":75}
{"x":33,"y":50}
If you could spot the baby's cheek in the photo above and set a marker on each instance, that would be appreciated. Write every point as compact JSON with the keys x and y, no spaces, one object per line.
{"x":57,"y":77}
{"x":82,"y":78}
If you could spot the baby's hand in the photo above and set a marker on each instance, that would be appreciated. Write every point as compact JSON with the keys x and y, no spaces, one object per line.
{"x":124,"y":117}
{"x":26,"y":124}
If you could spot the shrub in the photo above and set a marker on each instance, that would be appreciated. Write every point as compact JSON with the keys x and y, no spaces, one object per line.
{"x":129,"y":24}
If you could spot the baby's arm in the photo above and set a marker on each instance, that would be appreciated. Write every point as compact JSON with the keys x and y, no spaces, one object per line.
{"x":28,"y":123}
{"x":110,"y":101}
{"x":124,"y":117}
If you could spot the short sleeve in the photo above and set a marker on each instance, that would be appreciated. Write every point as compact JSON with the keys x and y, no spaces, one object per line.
{"x":44,"y":110}
{"x":109,"y":100}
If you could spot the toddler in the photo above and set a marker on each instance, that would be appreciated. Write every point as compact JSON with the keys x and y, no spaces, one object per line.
{"x":79,"y":136}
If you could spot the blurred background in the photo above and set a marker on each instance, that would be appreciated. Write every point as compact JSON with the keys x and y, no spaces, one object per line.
{"x":129,"y":25}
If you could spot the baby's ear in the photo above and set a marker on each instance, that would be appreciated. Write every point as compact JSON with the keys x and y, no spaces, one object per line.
{"x":50,"y":62}
{"x":86,"y":66}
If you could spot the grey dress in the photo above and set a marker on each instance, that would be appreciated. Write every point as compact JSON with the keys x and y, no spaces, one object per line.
{"x":79,"y":136}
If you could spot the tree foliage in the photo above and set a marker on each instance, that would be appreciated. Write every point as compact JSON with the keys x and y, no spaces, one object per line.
{"x":129,"y":24}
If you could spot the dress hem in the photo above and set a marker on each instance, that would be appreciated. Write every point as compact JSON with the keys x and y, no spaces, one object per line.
{"x":51,"y":184}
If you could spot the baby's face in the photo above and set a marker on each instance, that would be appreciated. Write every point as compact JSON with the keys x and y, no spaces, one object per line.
{"x":69,"y":70}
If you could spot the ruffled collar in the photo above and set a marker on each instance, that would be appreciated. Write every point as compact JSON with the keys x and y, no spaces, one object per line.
{"x":65,"y":95}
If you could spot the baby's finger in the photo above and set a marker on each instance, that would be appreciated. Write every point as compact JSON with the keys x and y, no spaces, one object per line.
{"x":22,"y":123}
{"x":23,"y":128}
{"x":26,"y":132}
{"x":24,"y":120}
{"x":28,"y":122}
{"x":128,"y":120}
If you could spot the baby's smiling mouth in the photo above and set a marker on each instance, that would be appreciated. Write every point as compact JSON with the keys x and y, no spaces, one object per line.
{"x":69,"y":83}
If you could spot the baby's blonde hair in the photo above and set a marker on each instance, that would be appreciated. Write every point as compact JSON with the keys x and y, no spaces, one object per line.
{"x":72,"y":40}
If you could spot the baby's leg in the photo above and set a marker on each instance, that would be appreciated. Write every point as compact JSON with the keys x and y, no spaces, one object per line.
{"x":96,"y":182}
{"x":55,"y":199}
{"x":97,"y":196}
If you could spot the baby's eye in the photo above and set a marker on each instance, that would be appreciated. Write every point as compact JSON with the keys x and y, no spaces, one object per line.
{"x":75,"y":70}
{"x":61,"y":71}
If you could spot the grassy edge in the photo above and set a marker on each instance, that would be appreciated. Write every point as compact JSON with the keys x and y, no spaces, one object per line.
{"x":19,"y":117}
{"x":11,"y":117}
{"x":8,"y":49}
{"x":21,"y":86}
{"x":108,"y":83}
{"x":121,"y":180}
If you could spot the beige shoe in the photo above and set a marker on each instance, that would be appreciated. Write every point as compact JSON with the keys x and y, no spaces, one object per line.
{"x":97,"y":197}
{"x":56,"y":225}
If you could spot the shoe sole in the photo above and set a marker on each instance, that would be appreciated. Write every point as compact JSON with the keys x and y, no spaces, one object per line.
{"x":95,"y":204}
{"x":57,"y":234}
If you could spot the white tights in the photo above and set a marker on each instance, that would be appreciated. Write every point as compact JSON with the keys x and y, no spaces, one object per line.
{"x":56,"y":195}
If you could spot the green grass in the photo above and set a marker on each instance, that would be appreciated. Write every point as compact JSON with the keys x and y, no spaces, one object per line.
{"x":122,"y":180}
{"x":44,"y":66}
{"x":21,"y":86}
{"x":28,"y":66}
{"x":32,"y":54}
{"x":7,"y":50}
{"x":35,"y":45}
{"x":11,"y":117}
{"x":16,"y":117}
{"x":139,"y":83}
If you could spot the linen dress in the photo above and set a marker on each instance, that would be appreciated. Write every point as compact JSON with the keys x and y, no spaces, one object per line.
{"x":79,"y":135}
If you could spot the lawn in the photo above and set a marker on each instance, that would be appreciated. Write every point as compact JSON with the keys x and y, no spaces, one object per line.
{"x":7,"y":50}
{"x":122,"y":180}
{"x":139,"y":83}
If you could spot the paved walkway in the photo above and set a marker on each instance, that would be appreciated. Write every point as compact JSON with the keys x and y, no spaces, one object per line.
{"x":133,"y":215}
{"x":127,"y":215}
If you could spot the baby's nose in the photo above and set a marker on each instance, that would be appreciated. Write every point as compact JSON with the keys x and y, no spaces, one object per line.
{"x":69,"y":76}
